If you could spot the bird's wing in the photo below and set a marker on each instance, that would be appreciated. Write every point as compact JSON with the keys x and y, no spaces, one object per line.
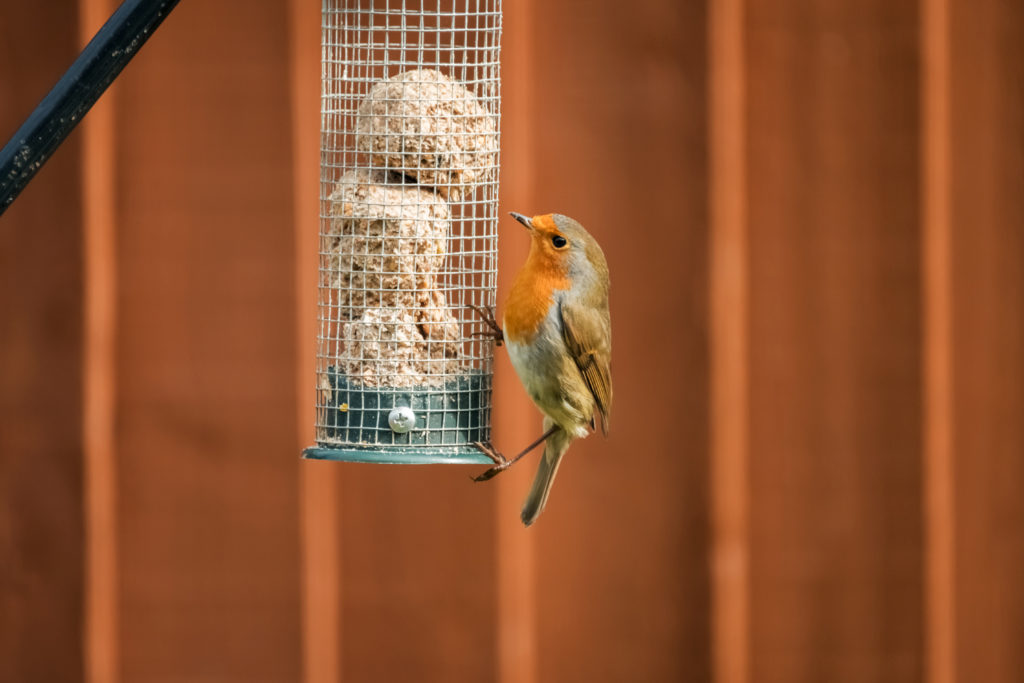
{"x":587,"y":334}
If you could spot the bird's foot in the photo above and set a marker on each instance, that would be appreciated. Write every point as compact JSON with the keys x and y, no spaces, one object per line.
{"x":495,"y":332}
{"x":501,"y":463}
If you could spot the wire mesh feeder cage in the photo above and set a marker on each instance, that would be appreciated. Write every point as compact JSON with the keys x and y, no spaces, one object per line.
{"x":408,"y":229}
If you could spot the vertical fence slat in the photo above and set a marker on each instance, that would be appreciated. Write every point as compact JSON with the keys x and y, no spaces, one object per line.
{"x":729,"y":351}
{"x":514,"y":421}
{"x":939,"y":510}
{"x":986,"y":45}
{"x":319,"y":482}
{"x":100,"y":369}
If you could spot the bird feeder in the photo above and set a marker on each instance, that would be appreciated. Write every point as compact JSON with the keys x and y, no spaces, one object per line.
{"x":409,"y":163}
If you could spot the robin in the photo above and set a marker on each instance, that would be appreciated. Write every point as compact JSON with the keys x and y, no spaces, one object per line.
{"x":557,"y":329}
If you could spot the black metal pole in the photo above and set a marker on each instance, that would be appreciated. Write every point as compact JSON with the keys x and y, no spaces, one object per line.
{"x":59,"y":112}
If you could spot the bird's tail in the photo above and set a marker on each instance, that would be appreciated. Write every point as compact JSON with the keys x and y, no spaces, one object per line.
{"x":556,"y":446}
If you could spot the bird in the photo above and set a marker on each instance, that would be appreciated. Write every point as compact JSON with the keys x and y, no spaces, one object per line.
{"x":557,"y":330}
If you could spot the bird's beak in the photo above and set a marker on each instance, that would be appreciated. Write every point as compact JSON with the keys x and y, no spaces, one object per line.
{"x":525,"y":220}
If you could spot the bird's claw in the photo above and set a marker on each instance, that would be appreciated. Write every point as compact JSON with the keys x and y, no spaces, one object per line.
{"x":495,"y":332}
{"x":501,"y":463}
{"x":491,"y":473}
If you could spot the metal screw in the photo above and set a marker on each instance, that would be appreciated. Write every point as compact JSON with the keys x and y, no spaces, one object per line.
{"x":402,"y":419}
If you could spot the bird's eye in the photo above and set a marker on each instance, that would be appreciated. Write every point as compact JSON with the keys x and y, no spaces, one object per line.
{"x":559,"y":241}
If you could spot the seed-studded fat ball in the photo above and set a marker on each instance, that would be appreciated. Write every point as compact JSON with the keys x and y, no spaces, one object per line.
{"x":424,"y":125}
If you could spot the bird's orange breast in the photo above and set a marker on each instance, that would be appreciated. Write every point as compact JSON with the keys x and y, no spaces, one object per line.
{"x":533,"y":294}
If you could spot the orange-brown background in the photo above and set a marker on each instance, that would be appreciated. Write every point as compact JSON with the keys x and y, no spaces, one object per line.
{"x":813,"y":212}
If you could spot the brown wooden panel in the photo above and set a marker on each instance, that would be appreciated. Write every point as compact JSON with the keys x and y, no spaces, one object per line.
{"x":430,"y":577}
{"x":836,"y":555}
{"x":418,"y":571}
{"x":987,"y":90}
{"x":207,"y":461}
{"x":41,"y":547}
{"x":619,"y":125}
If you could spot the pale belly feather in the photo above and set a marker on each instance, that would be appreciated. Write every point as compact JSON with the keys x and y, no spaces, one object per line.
{"x":552,"y":379}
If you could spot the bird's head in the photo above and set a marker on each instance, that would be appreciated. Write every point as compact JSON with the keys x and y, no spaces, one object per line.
{"x":561,"y":243}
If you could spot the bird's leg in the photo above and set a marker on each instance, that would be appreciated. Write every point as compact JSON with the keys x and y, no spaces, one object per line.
{"x":501,"y":462}
{"x":495,"y":332}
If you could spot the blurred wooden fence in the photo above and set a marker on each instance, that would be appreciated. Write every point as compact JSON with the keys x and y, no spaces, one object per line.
{"x":814,"y":216}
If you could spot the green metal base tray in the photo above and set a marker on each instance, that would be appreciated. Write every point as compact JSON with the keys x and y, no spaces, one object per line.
{"x":355,"y":428}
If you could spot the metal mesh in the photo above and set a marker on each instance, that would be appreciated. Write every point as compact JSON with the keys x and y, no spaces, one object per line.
{"x":408,"y":219}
